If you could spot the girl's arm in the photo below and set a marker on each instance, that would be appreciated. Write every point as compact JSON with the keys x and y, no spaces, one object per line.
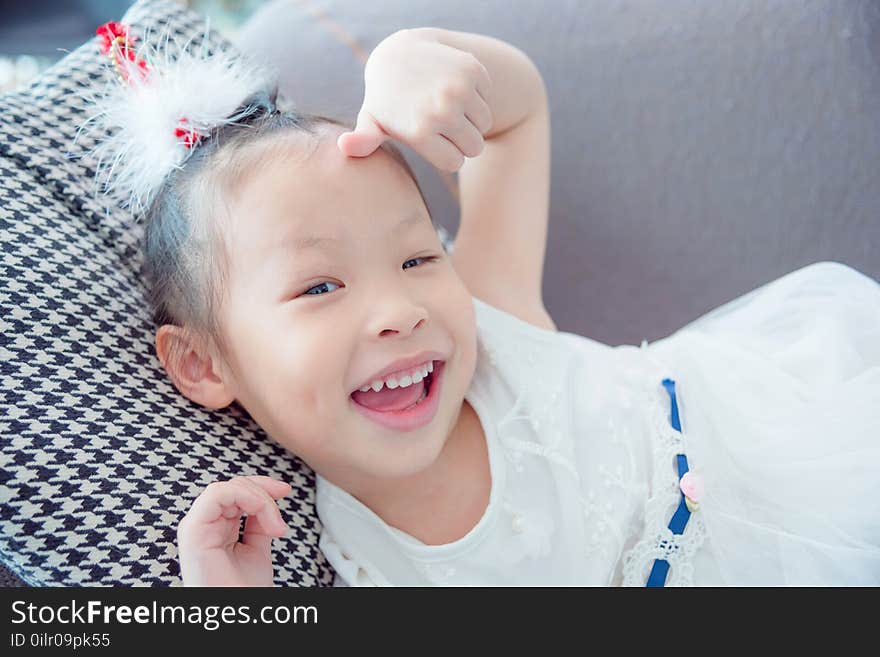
{"x":505,"y":191}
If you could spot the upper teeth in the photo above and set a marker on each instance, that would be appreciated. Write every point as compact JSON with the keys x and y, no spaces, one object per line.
{"x":392,"y":381}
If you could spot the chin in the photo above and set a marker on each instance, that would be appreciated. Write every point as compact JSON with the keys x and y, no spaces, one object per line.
{"x":418,"y":455}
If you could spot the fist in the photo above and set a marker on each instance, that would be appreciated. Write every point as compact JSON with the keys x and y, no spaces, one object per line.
{"x":423,"y":93}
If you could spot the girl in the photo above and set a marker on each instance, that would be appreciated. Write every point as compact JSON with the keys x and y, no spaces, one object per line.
{"x":456,"y":435}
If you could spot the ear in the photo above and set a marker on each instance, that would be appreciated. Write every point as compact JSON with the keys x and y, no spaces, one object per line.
{"x":192,"y":368}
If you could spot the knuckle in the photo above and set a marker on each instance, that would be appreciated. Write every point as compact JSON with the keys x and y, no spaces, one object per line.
{"x":471,"y":60}
{"x":454,"y":164}
{"x":474,"y":65}
{"x":436,"y":112}
{"x":451,"y":92}
{"x":471,"y":146}
{"x":183,"y":526}
{"x":422,"y":132}
{"x":440,"y":104}
{"x":213,"y":487}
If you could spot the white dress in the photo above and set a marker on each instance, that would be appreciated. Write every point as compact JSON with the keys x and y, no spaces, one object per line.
{"x":778,"y":410}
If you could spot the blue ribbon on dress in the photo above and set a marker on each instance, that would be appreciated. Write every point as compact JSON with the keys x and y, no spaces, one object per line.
{"x":682,"y":514}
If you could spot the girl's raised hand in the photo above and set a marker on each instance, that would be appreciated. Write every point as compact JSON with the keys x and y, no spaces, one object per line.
{"x":425,"y":94}
{"x":207,"y":536}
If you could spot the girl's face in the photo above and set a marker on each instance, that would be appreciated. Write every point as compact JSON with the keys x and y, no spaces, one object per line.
{"x":309,"y":322}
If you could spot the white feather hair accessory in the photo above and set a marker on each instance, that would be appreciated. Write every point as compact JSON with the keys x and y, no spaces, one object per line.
{"x":155,"y":115}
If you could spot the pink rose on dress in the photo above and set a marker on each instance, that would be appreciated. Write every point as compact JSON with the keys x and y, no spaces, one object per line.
{"x":691,"y":485}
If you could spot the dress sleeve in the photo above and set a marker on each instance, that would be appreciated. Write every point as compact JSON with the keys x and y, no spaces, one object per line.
{"x":348,"y":572}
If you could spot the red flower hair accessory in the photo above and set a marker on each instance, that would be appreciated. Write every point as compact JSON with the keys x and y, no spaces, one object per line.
{"x":153,"y":121}
{"x":118,"y":44}
{"x":186,"y":134}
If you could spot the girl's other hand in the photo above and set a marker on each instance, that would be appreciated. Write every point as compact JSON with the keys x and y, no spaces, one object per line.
{"x":208,"y":535}
{"x":428,"y":95}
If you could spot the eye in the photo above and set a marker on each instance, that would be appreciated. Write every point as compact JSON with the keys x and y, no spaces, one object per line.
{"x":427,"y":258}
{"x":319,"y":286}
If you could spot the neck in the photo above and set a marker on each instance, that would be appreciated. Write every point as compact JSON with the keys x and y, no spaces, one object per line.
{"x":403,"y":501}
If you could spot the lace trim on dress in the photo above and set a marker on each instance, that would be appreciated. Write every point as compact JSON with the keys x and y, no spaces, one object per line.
{"x":658,"y":541}
{"x":534,"y":532}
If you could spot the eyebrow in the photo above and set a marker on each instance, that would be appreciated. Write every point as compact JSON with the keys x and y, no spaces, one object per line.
{"x":323,"y":243}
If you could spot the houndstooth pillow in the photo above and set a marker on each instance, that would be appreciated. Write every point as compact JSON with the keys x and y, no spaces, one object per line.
{"x":100,"y":455}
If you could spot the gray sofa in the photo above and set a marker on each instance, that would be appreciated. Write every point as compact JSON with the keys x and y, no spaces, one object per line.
{"x":699,"y":149}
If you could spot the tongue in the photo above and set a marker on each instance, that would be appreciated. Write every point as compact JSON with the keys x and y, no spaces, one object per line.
{"x":390,"y":400}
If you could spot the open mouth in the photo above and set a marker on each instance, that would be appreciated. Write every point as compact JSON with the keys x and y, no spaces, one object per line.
{"x":403,"y":409}
{"x":402,"y":395}
{"x":426,"y":388}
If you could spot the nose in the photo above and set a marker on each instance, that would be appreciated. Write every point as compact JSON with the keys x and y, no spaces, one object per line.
{"x":401,"y":317}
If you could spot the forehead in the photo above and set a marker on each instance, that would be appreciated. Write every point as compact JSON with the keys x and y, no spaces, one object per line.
{"x":303,"y":193}
{"x":297,"y":241}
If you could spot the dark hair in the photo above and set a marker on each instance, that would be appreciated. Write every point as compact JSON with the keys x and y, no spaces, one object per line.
{"x":185,"y":251}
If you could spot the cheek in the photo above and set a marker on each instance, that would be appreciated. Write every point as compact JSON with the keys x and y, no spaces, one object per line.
{"x":299,"y":400}
{"x":467,"y":332}
{"x":455,"y":288}
{"x":459,"y":317}
{"x":306,"y":368}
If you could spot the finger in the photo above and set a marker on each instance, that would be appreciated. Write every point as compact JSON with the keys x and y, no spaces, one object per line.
{"x":268,"y":500}
{"x":273,"y":487}
{"x":260,"y":528}
{"x":484,"y":81}
{"x":366,"y":137}
{"x":272,"y":516}
{"x":222,"y":499}
{"x":234,"y":497}
{"x":441,"y":152}
{"x":256,"y":536}
{"x":357,"y":144}
{"x":466,"y":137}
{"x":477,"y":111}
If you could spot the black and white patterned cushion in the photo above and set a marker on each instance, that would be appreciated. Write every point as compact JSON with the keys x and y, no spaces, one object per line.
{"x":100,"y":456}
